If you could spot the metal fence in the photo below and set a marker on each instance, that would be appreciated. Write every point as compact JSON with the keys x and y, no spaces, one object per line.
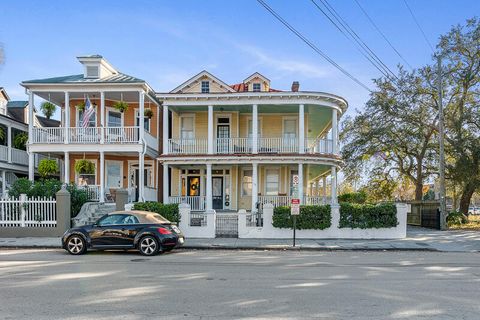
{"x":226,"y":226}
{"x":28,"y":212}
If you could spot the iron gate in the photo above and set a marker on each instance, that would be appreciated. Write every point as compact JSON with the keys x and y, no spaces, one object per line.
{"x":226,"y":226}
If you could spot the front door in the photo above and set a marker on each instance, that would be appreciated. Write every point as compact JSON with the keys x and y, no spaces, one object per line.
{"x":193,"y":185}
{"x":217,"y":192}
{"x":223,"y":135}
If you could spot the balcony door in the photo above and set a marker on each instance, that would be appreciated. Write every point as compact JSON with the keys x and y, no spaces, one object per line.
{"x":223,"y":135}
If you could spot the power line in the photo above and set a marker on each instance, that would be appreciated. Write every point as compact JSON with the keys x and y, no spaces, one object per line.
{"x":418,"y":25}
{"x":311,"y":45}
{"x":378,"y":63}
{"x":382,"y":34}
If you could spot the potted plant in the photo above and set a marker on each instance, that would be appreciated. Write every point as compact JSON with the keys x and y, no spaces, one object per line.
{"x":84,"y":167}
{"x":20,"y":141}
{"x":48,"y":109}
{"x":81,"y":106}
{"x":148,"y":113}
{"x":47,"y":167}
{"x":121,"y":106}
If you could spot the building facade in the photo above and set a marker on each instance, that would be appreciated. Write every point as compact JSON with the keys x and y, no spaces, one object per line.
{"x":232,"y":147}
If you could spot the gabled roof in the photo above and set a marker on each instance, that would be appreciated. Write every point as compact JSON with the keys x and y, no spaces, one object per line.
{"x":255,"y":75}
{"x":197,"y":77}
{"x":4,"y":92}
{"x":79,"y":78}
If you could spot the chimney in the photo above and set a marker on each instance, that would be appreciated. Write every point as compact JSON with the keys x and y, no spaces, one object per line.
{"x":295,"y":86}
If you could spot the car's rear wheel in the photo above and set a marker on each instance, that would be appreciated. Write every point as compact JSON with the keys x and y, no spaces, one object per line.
{"x":76,"y":245}
{"x":148,"y":246}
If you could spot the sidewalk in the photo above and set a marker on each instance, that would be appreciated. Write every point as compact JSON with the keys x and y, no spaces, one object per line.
{"x":417,"y":239}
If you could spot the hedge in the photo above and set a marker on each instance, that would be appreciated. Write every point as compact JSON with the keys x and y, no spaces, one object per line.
{"x":366,"y":216}
{"x":168,"y":211}
{"x":311,"y":217}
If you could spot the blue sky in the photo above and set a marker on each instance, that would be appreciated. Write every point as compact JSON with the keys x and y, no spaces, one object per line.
{"x":166,"y":42}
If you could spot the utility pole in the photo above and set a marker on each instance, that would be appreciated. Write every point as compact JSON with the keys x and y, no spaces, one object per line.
{"x":441,"y":133}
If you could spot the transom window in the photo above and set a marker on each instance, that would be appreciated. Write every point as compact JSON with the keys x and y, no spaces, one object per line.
{"x":257,"y":87}
{"x":205,"y":86}
{"x":272,"y":181}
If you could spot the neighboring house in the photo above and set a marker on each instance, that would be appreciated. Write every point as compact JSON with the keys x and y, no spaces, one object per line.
{"x":13,"y":122}
{"x":231,"y":147}
{"x":122,"y":145}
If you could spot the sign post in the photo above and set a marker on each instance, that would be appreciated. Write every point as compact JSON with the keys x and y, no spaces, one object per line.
{"x":295,"y":206}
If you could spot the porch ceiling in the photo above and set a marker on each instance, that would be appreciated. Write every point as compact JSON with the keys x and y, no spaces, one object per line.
{"x":58,"y":98}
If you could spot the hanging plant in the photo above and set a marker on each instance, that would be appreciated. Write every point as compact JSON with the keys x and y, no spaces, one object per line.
{"x":47,"y":168}
{"x":81,"y":106}
{"x":148,"y":113}
{"x":48,"y":109}
{"x":20,"y":141}
{"x":84,"y":167}
{"x":2,"y":133}
{"x":121,"y":106}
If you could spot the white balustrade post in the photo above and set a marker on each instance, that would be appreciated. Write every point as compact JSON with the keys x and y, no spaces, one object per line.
{"x":165,"y":132}
{"x":67,"y":116}
{"x":301,"y":128}
{"x":209,"y":188}
{"x":102,"y":117}
{"x":334,"y":186}
{"x":210,"y":130}
{"x":300,"y":182}
{"x":255,"y":128}
{"x":9,"y":143}
{"x":66,"y":168}
{"x":166,"y":184}
{"x":141,"y":116}
{"x":335,"y":131}
{"x":102,"y":177}
{"x":141,"y":178}
{"x":254,"y":186}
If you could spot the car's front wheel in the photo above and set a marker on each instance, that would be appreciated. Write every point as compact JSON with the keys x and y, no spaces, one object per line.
{"x":76,"y":245}
{"x":148,"y":246}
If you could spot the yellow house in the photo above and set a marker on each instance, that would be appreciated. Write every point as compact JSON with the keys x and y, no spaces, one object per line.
{"x":232,"y":147}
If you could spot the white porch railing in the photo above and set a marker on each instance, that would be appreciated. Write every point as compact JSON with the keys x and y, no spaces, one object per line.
{"x":28,"y":212}
{"x":91,"y":135}
{"x":121,"y":135}
{"x":19,"y":157}
{"x":93,"y":191}
{"x":277,"y":145}
{"x":197,"y":203}
{"x":233,"y":145}
{"x":187,"y":146}
{"x":3,"y":153}
{"x":48,"y":135}
{"x":319,"y":146}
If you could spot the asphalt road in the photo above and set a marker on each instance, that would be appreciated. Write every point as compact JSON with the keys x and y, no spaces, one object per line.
{"x":50,"y":284}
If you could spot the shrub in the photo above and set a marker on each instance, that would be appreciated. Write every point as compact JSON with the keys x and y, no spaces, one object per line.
{"x":22,"y":185}
{"x":311,"y":217}
{"x":78,"y":198}
{"x":47,"y":167}
{"x":366,"y":216}
{"x":168,"y":211}
{"x":456,"y":218}
{"x":353,"y":197}
{"x":45,"y":188}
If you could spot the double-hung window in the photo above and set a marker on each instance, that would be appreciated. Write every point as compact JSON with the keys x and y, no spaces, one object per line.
{"x":257,"y":87}
{"x":205,"y":86}
{"x":92,"y":121}
{"x":290,"y":129}
{"x":272,"y":182}
{"x":186,"y":128}
{"x":247,"y":183}
{"x":114,"y":119}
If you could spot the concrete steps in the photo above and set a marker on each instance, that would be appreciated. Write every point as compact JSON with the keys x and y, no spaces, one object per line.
{"x":91,"y":212}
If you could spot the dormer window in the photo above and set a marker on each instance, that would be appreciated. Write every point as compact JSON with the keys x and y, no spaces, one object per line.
{"x":92,"y":72}
{"x":257,"y":87}
{"x":205,"y":86}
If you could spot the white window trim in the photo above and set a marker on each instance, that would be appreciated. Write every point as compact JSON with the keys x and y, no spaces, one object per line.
{"x":201,"y":86}
{"x":77,"y":116}
{"x":151,"y":163}
{"x":296,"y":125}
{"x":108,"y":109}
{"x":121,"y":173}
{"x":92,"y":65}
{"x":278,"y":169}
{"x":253,"y":85}
{"x":260,"y":128}
{"x":137,"y":115}
{"x":222,"y":115}
{"x":185,"y":115}
{"x":77,"y":175}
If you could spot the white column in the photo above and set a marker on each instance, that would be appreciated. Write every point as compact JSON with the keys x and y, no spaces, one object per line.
{"x":31,"y":158}
{"x":324,"y":189}
{"x":4,"y":182}
{"x":210,"y":130}
{"x":141,"y":178}
{"x":301,"y":128}
{"x":209,"y":188}
{"x":255,"y":128}
{"x":334,"y":131}
{"x":165,"y":130}
{"x":254,"y":186}
{"x":102,"y":177}
{"x":166,"y":183}
{"x":334,"y":186}
{"x":66,"y":168}
{"x":67,"y":116}
{"x":102,"y":117}
{"x":141,"y":111}
{"x":300,"y":182}
{"x":9,"y":143}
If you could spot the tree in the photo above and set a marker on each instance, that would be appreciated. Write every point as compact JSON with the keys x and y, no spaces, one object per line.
{"x":396,"y":132}
{"x":460,"y":51}
{"x":48,"y":109}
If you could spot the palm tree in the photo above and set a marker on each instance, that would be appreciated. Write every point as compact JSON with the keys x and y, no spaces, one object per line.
{"x":48,"y":109}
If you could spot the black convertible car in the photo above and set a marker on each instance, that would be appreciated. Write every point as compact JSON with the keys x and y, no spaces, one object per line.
{"x":148,"y":232}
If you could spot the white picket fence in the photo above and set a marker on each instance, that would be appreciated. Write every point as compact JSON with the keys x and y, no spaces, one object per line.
{"x":28,"y":212}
